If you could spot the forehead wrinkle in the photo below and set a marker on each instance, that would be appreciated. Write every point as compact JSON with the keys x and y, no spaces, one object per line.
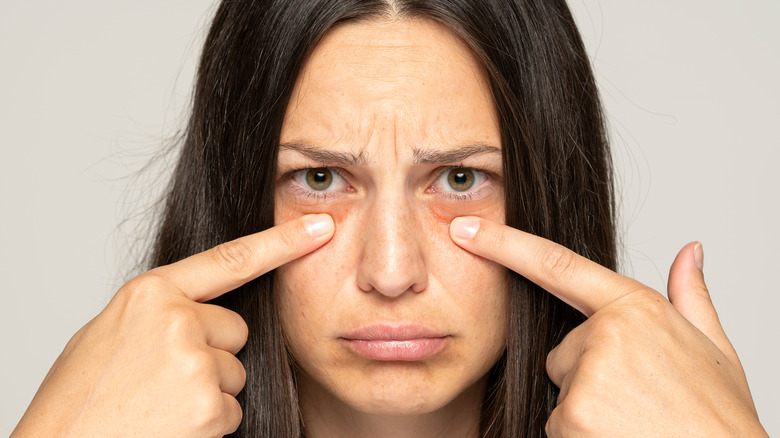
{"x":342,"y":101}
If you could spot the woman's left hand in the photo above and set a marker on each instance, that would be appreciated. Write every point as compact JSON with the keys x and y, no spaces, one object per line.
{"x":641,"y":365}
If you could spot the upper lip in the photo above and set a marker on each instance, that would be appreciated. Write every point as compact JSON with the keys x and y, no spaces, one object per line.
{"x":393,"y":332}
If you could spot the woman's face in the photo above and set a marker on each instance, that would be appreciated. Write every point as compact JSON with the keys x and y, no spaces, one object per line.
{"x":392,"y":130}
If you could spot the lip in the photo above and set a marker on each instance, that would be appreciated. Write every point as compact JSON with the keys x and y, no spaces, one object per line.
{"x":396,"y":342}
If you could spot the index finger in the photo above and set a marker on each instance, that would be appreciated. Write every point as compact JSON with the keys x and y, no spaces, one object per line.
{"x":211,"y":273}
{"x":581,"y":283}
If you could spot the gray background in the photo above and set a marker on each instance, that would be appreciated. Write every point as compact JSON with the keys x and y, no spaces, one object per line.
{"x":89,"y":90}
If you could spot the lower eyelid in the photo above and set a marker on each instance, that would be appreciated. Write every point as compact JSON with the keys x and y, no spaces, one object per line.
{"x":302,"y":192}
{"x":482,"y":191}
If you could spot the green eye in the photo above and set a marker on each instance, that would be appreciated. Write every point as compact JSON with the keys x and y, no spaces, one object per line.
{"x":319,"y":179}
{"x":461,"y":179}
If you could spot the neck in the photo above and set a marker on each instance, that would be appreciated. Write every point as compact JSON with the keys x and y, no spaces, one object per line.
{"x":325,"y":416}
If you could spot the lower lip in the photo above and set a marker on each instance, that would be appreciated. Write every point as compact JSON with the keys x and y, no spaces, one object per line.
{"x":406,"y":350}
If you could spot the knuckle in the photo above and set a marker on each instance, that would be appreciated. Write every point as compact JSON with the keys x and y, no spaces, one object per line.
{"x":143,"y":287}
{"x":559,"y":262}
{"x":179,"y":321}
{"x":575,"y":415}
{"x":209,"y":410}
{"x":646,"y":305}
{"x":197,"y":364}
{"x":235,"y":259}
{"x":607,"y":333}
{"x":550,"y":361}
{"x":145,"y":294}
{"x":239,"y":416}
{"x":553,"y":357}
{"x":606,"y":328}
{"x":238,"y":370}
{"x":232,"y":414}
{"x":243,"y":330}
{"x":655,"y":306}
{"x":551,"y":427}
{"x":243,"y":376}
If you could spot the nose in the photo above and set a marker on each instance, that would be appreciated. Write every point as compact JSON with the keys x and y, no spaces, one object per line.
{"x":392,"y":261}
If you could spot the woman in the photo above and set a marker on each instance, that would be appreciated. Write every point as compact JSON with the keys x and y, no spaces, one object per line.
{"x":430,"y":133}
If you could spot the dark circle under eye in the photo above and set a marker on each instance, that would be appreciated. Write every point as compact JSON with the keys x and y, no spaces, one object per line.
{"x":461,"y":179}
{"x":319,"y":179}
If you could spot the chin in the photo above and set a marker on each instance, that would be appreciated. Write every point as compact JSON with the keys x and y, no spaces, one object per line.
{"x":399,"y":400}
{"x":402,"y":389}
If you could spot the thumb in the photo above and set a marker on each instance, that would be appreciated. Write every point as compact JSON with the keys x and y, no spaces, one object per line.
{"x":689,"y":295}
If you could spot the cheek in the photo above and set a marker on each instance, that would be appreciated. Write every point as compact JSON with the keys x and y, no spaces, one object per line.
{"x":308,"y":286}
{"x":477,"y":286}
{"x":303,"y":290}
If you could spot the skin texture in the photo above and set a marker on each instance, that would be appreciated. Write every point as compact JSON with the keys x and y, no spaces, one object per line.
{"x":388,"y":93}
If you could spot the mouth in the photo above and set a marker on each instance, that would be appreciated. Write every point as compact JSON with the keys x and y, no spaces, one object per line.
{"x":396,"y":342}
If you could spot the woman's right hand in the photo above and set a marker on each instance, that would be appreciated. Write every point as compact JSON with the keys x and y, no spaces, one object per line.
{"x":159,"y":362}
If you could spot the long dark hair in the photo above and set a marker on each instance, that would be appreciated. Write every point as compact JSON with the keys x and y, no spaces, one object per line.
{"x":557,"y":171}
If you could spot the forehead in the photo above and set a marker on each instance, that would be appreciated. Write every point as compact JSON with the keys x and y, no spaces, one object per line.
{"x":413,"y":80}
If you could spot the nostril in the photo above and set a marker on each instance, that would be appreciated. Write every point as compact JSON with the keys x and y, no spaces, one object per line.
{"x":391,"y":262}
{"x":419,"y":287}
{"x":392,"y":281}
{"x":365,"y":287}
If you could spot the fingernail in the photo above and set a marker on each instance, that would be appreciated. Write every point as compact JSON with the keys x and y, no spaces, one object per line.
{"x":318,"y":224}
{"x":698,"y":256}
{"x":464,"y":228}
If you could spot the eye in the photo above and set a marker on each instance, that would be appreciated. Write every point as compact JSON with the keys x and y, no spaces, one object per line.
{"x":320,"y":180}
{"x":459,"y":180}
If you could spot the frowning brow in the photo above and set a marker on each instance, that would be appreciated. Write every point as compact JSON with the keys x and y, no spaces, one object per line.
{"x":435,"y":156}
{"x":422,"y":156}
{"x":325,"y":156}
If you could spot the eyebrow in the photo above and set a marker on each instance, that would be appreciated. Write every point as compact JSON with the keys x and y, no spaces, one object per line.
{"x":432,"y":156}
{"x":422,"y":156}
{"x":326,"y":156}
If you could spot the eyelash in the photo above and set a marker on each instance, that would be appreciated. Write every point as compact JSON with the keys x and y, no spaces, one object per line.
{"x":465,"y":196}
{"x":477,"y":193}
{"x":302,"y":191}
